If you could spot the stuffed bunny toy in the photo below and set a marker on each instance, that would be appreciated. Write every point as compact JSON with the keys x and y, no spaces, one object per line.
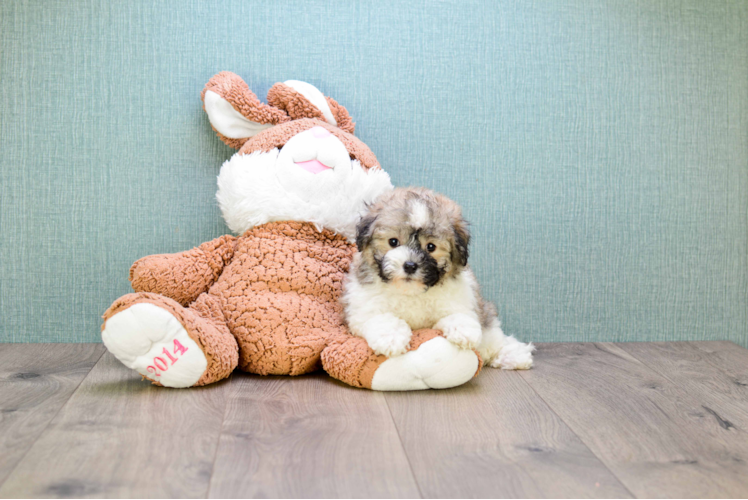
{"x":267,"y":301}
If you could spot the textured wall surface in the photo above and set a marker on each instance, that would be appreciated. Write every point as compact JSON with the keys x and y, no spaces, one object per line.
{"x":599,"y":147}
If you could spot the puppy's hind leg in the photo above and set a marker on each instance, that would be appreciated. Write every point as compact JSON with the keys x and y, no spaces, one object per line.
{"x":505,"y":352}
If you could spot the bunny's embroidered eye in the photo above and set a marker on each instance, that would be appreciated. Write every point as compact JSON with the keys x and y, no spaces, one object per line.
{"x":393,"y":242}
{"x":430,"y":247}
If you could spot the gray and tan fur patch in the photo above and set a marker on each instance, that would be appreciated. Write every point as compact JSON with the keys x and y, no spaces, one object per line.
{"x":412,"y":234}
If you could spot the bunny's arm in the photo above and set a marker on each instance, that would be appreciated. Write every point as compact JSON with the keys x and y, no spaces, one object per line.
{"x":183,"y":276}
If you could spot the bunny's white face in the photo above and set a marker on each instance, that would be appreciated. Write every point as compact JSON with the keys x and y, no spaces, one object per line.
{"x":314,"y":165}
{"x":311,"y":178}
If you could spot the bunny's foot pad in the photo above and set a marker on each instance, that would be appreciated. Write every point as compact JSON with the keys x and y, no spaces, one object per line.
{"x":436,"y":364}
{"x":153,"y":342}
{"x":431,"y":362}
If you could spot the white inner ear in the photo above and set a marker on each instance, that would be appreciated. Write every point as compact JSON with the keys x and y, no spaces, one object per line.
{"x":314,"y":96}
{"x":228,"y":121}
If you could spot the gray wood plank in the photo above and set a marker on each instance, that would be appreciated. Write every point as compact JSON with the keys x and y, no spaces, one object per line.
{"x":308,"y":437}
{"x":35,"y":382}
{"x":118,"y":436}
{"x":656,"y":437}
{"x":728,"y":357}
{"x":723,"y":397}
{"x":495,"y":437}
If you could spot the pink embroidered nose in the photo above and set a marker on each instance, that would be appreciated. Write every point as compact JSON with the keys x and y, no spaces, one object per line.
{"x":320,"y":132}
{"x":313,"y":166}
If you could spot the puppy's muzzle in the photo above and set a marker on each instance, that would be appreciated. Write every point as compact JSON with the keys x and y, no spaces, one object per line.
{"x":410,"y":267}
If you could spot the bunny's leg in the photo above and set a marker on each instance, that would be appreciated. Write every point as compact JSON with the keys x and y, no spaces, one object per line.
{"x":431,"y":362}
{"x":280,"y":333}
{"x":169,"y":344}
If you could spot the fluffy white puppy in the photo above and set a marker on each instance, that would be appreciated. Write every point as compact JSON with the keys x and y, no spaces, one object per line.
{"x":411,"y":272}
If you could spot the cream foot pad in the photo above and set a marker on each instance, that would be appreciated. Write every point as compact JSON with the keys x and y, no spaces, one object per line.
{"x":154,"y":343}
{"x":436,"y":364}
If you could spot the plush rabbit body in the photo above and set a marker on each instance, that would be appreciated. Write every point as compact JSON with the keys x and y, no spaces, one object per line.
{"x":267,"y":300}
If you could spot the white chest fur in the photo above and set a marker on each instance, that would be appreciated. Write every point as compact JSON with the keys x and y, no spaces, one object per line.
{"x":418,"y":308}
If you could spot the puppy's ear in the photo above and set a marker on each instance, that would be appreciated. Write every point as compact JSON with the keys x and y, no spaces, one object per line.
{"x":460,"y":252}
{"x":364,"y":231}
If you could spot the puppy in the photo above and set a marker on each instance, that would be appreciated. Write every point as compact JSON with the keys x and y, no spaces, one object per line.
{"x":411,"y":272}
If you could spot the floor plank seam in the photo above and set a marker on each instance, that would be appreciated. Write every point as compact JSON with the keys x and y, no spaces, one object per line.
{"x":220,"y":435}
{"x":20,"y":460}
{"x":402,"y":445}
{"x":571,"y":429}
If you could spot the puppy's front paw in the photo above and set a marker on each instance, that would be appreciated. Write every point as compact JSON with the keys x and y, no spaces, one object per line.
{"x":387,"y":335}
{"x":461,"y":329}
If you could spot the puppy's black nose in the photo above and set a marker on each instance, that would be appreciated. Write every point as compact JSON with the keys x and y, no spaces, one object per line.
{"x":410,"y":267}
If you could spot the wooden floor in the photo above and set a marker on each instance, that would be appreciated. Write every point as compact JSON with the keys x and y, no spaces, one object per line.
{"x":590,"y":420}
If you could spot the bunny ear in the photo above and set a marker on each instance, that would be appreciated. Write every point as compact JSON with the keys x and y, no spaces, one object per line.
{"x":302,"y":100}
{"x":235,"y":112}
{"x":341,"y":116}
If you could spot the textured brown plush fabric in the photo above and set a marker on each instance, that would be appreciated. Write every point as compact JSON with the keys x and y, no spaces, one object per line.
{"x":203,"y":324}
{"x":341,"y":116}
{"x":277,"y":292}
{"x":183,"y":276}
{"x":290,"y":111}
{"x":292,"y":102}
{"x":280,"y":295}
{"x":284,"y":104}
{"x":279,"y":135}
{"x":351,"y":360}
{"x":235,"y":90}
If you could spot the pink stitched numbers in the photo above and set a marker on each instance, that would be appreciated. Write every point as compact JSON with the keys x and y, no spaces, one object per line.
{"x":160,"y":363}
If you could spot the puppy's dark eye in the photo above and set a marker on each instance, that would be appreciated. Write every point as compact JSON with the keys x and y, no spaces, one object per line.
{"x":430,"y":247}
{"x":393,"y":242}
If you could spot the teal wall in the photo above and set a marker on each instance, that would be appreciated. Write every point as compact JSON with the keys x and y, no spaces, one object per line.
{"x":599,"y":147}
